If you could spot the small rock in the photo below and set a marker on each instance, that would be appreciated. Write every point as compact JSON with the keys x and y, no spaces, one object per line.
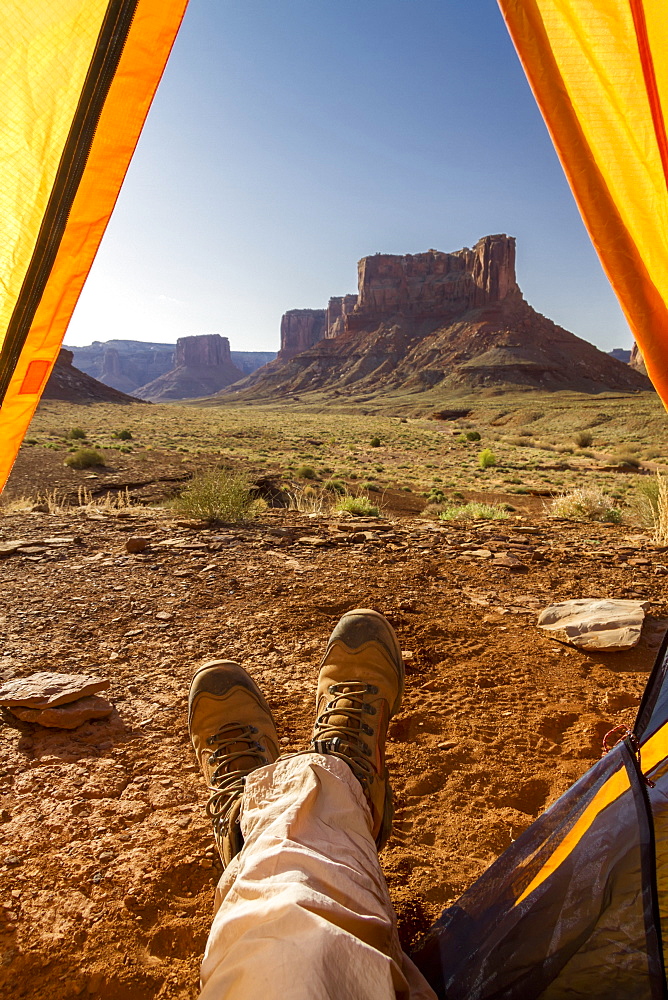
{"x":46,"y":690}
{"x":609,"y":625}
{"x":9,"y":548}
{"x":164,"y":616}
{"x":508,"y":561}
{"x":135,"y":543}
{"x":68,"y":716}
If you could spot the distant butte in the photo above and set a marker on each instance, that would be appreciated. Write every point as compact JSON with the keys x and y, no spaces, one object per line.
{"x":202,"y":366}
{"x":457,"y":321}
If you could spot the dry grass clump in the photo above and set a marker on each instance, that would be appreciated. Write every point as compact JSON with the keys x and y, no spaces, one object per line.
{"x":218,"y":495}
{"x":651,"y":505}
{"x":474,"y":511}
{"x":583,"y":439}
{"x":84,"y":458}
{"x":585,"y":503}
{"x":359,"y":506}
{"x":310,"y":500}
{"x":57,"y":502}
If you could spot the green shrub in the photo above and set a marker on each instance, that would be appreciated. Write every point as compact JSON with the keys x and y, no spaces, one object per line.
{"x":307,"y":472}
{"x":435,"y":495}
{"x":627,"y":459}
{"x":124,"y":435}
{"x":84,"y":458}
{"x":371,"y":487}
{"x":375,"y":442}
{"x":474,"y":511}
{"x":472,"y":436}
{"x":77,"y":434}
{"x":359,"y":506}
{"x":486,"y":458}
{"x":218,"y":495}
{"x":583,"y":439}
{"x":334,"y":486}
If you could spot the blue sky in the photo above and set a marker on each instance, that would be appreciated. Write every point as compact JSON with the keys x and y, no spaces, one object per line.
{"x":287,"y":140}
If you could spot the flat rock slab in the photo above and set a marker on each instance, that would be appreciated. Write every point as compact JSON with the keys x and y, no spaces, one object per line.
{"x":9,"y":548}
{"x":46,"y":690}
{"x":69,"y":716}
{"x":608,"y":625}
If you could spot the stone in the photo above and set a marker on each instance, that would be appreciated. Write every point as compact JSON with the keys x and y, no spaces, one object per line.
{"x":135,"y":543}
{"x":608,"y":625}
{"x":164,"y":616}
{"x":511,"y":562}
{"x":47,"y":690}
{"x":9,"y":548}
{"x":68,"y":716}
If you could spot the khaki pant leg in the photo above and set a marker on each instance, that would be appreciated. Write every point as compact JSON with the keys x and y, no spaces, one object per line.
{"x":303,"y":912}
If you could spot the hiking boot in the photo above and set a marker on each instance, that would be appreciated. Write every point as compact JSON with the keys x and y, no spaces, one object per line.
{"x":360,"y":687}
{"x":233,"y":733}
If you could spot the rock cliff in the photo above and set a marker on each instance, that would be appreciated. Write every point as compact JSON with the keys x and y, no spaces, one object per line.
{"x":202,"y":366}
{"x":129,"y":364}
{"x":300,"y":329}
{"x":637,"y":361}
{"x":453,"y":320}
{"x":67,"y":382}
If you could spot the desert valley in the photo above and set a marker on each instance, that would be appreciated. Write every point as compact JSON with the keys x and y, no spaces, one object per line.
{"x":430,"y":446}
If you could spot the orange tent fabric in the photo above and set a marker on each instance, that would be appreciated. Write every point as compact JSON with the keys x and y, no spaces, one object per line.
{"x":77,"y":78}
{"x":599,"y":72}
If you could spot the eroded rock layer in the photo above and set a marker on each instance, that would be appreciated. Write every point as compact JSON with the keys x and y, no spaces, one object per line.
{"x":453,"y":320}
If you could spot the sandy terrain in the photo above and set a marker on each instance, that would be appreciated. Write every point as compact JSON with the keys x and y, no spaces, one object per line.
{"x":107,"y":864}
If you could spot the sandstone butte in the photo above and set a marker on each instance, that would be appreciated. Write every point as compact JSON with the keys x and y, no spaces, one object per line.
{"x":128,"y":365}
{"x":457,"y":321}
{"x":202,"y":366}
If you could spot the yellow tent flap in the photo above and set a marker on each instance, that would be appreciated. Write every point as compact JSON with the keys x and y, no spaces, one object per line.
{"x":77,"y":78}
{"x":599,"y":72}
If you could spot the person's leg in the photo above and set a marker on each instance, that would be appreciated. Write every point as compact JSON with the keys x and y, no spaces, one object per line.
{"x":303,"y":909}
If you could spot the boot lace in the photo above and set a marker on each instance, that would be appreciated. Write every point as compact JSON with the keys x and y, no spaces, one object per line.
{"x":227,"y":784}
{"x":340,"y":728}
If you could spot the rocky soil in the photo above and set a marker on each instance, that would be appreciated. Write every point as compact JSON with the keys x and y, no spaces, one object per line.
{"x":107,"y":865}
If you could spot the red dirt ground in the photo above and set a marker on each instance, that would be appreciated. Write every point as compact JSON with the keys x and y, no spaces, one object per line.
{"x":107,"y":865}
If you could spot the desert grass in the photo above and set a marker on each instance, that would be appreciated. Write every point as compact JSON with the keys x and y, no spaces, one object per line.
{"x":85,"y":458}
{"x":310,"y":500}
{"x":334,"y":439}
{"x":651,"y":506}
{"x":585,"y":504}
{"x":473,"y":511}
{"x":358,"y":506}
{"x":218,"y":495}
